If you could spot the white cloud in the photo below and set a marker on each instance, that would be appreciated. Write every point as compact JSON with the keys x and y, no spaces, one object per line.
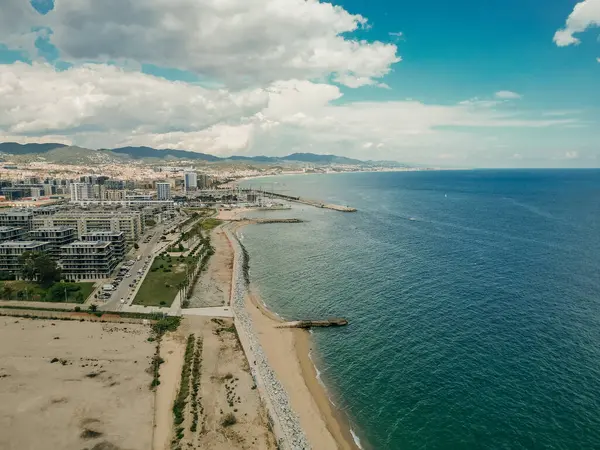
{"x":507,"y":95}
{"x":97,"y":105}
{"x":239,"y":42}
{"x":585,"y":14}
{"x":572,"y":155}
{"x":36,"y":99}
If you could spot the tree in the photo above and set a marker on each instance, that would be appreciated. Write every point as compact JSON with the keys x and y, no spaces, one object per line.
{"x":93,"y":307}
{"x":181,"y":247}
{"x":37,"y":266}
{"x":7,"y":292}
{"x":136,"y":246}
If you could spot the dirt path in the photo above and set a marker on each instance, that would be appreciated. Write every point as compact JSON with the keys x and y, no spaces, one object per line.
{"x":171,"y":351}
{"x":212,"y":288}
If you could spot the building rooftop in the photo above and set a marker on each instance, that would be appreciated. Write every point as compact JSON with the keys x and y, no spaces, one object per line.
{"x":16,"y":212}
{"x":22,"y":244}
{"x":87,"y":244}
{"x":8,"y":229}
{"x":103,"y":233}
{"x":57,"y":228}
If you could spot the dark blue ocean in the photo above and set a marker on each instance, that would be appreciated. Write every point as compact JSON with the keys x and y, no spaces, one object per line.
{"x":473,"y":299}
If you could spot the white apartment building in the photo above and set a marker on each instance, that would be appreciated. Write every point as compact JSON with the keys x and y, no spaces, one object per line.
{"x":129,"y":222}
{"x":81,"y":191}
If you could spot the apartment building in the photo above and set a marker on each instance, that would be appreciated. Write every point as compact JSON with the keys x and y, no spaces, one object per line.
{"x":15,"y":217}
{"x":88,"y":260}
{"x":56,"y":238}
{"x":11,"y":252}
{"x":129,"y":222}
{"x":11,"y":234}
{"x":116,"y":238}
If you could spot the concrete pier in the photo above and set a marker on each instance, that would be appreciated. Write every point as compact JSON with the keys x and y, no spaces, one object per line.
{"x":305,"y":201}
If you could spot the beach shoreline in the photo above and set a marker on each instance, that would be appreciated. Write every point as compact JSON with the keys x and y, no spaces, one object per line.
{"x":288,"y":352}
{"x":335,"y":420}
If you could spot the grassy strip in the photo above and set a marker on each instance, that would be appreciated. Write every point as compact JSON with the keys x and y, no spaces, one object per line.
{"x":197,"y":407}
{"x":123,"y":314}
{"x":159,"y":328}
{"x":183,"y":393}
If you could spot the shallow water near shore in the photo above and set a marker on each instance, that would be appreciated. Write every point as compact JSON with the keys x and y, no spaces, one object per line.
{"x":472,"y":299}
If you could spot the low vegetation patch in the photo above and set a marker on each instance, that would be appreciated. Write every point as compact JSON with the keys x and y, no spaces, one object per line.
{"x":228,"y":420}
{"x":59,"y":292}
{"x":184,"y":390}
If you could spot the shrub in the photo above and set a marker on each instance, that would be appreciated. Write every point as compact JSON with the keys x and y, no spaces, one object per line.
{"x":77,"y":309}
{"x":228,"y":420}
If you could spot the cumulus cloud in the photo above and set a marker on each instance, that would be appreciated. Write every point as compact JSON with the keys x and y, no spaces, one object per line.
{"x":507,"y":95}
{"x":585,"y":14}
{"x":240,"y":42}
{"x":38,"y":99}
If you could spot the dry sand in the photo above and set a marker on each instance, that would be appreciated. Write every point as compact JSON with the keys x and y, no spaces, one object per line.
{"x":97,"y":391}
{"x":226,"y":386}
{"x":213,"y":286}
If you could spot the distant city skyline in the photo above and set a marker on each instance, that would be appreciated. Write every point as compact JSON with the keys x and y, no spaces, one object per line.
{"x":465,"y":84}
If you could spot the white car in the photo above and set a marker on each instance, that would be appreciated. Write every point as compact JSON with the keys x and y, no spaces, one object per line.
{"x":122,"y":300}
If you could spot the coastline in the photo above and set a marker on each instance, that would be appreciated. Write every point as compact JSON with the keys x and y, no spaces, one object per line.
{"x":288,"y":354}
{"x":335,"y":421}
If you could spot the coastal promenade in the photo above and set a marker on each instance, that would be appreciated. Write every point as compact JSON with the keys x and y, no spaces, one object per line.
{"x":284,"y":421}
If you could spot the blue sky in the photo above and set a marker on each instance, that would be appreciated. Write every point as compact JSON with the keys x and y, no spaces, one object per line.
{"x":483,"y":84}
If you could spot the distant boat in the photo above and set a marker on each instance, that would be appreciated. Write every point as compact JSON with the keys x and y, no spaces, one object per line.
{"x":412,"y":219}
{"x":446,"y":195}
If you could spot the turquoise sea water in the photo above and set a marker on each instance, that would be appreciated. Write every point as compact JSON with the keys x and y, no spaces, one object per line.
{"x":473,"y":300}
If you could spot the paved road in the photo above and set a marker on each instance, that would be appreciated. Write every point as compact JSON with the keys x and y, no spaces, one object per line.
{"x":216,"y":311}
{"x":123,"y":291}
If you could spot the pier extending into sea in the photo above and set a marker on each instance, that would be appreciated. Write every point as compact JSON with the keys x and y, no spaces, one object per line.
{"x":306,"y":201}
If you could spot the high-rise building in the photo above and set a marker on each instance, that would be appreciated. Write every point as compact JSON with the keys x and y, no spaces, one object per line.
{"x":81,"y":191}
{"x":190,"y":181}
{"x":163,"y":191}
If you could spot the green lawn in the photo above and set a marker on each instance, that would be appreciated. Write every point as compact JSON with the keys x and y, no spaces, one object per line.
{"x":160,"y":287}
{"x":27,"y":290}
{"x":211,"y":223}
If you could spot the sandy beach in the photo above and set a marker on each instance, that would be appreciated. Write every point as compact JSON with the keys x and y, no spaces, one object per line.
{"x":287,"y":351}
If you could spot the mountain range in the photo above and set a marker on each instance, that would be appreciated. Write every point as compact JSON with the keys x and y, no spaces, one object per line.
{"x":64,"y":154}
